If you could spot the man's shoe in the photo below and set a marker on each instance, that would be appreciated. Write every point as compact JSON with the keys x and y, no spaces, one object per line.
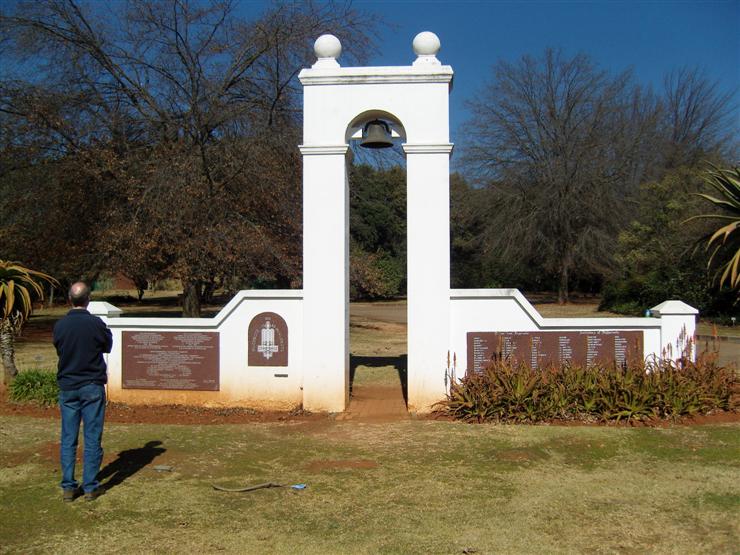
{"x":69,"y":495}
{"x":92,"y":495}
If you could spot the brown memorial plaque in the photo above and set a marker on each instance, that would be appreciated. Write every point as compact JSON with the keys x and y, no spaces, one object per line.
{"x":170,"y":360}
{"x":554,"y":348}
{"x":268,"y":340}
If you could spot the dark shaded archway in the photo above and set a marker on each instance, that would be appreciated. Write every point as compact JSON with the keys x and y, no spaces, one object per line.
{"x":398,"y":362}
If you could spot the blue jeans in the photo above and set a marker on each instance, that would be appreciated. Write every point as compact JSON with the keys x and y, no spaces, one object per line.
{"x":86,"y":404}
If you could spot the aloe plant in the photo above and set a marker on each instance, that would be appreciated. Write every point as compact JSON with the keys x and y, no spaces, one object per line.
{"x":18,"y":287}
{"x":727,"y":183}
{"x":515,"y":393}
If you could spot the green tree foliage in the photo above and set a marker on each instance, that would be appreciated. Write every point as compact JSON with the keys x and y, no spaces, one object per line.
{"x":469,"y":263}
{"x":656,"y":259}
{"x":378,"y":232}
{"x":484,"y":251}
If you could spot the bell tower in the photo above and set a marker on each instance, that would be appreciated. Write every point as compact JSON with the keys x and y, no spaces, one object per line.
{"x":339,"y":103}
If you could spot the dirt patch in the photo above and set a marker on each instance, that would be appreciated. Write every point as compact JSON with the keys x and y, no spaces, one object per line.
{"x":319,"y":466}
{"x":718,"y":417}
{"x":45,"y":453}
{"x":715,"y":418}
{"x":191,"y":415}
{"x":393,"y":312}
{"x":366,"y":326}
{"x":168,"y":414}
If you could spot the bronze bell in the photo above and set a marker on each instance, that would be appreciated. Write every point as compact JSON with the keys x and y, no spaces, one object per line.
{"x":376,"y":134}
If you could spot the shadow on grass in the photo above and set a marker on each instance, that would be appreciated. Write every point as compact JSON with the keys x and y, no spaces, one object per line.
{"x":400,"y":363}
{"x":128,"y":463}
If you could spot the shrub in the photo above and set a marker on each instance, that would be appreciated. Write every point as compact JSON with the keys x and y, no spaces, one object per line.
{"x":35,"y":386}
{"x":375,"y":275}
{"x":510,"y":392}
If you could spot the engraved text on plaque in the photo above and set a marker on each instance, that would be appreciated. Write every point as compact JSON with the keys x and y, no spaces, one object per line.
{"x":554,"y":348}
{"x":170,"y":360}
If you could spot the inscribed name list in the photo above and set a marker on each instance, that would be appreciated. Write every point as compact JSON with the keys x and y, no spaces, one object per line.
{"x":554,"y":348}
{"x":170,"y":360}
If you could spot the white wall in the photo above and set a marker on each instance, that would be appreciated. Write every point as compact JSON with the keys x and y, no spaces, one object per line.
{"x":240,"y":384}
{"x":507,"y":310}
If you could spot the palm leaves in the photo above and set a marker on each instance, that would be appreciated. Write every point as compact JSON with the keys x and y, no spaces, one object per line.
{"x":727,"y":183}
{"x":18,"y":286}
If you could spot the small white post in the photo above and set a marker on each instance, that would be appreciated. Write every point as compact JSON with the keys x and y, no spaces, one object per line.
{"x":677,"y":329}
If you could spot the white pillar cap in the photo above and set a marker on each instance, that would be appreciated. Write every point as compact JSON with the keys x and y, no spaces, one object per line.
{"x":327,"y":49}
{"x":426,"y":45}
{"x":673,"y":308}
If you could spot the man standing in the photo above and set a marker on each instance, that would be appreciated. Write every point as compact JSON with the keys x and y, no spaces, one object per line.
{"x":80,"y":340}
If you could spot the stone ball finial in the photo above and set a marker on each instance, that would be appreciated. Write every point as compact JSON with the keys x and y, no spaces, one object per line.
{"x":327,"y":46}
{"x":426,"y":43}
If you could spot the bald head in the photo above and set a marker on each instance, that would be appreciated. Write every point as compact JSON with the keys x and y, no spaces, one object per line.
{"x":79,"y":294}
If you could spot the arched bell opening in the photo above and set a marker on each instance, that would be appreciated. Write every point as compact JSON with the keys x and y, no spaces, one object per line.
{"x":375,"y":137}
{"x":359,"y":125}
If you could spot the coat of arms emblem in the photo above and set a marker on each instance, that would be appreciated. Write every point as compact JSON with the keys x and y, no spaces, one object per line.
{"x":268,"y":340}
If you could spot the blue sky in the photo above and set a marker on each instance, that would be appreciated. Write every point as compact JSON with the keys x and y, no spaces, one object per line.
{"x":651,"y":38}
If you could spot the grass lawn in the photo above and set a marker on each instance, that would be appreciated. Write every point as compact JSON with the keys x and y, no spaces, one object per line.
{"x":404,"y":487}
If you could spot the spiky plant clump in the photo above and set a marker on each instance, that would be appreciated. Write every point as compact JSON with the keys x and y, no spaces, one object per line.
{"x":510,"y":392}
{"x":35,"y":386}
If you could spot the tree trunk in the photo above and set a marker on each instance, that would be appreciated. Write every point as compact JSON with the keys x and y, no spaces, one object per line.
{"x":7,"y":351}
{"x":191,"y":299}
{"x":209,"y":289}
{"x":141,"y":285}
{"x":563,"y":295}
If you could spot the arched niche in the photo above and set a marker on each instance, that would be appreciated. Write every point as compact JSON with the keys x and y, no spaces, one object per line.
{"x":355,"y":127}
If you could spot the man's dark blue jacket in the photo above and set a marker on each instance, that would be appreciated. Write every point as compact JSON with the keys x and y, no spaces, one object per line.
{"x":80,"y":340}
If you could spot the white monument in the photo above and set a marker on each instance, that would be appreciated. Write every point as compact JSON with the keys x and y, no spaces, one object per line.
{"x":281,"y":349}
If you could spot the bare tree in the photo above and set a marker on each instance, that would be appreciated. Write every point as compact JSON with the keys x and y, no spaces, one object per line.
{"x":698,"y":119}
{"x":558,"y":141}
{"x":187,"y":115}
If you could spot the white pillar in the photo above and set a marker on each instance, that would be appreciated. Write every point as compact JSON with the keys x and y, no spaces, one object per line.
{"x":325,"y":278}
{"x":677,"y":329}
{"x":428,"y":263}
